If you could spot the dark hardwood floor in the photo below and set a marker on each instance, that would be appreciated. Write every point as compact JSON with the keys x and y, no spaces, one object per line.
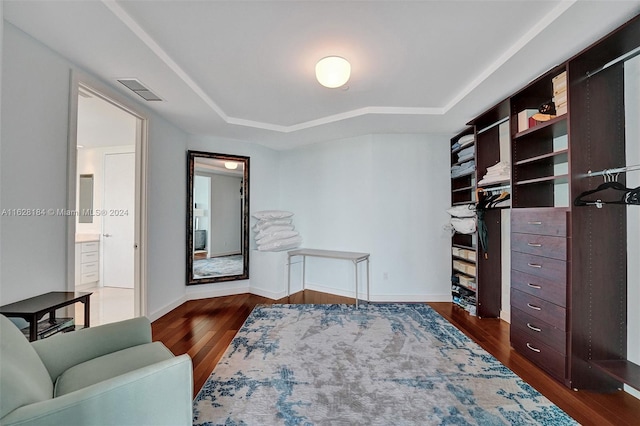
{"x":204,"y":329}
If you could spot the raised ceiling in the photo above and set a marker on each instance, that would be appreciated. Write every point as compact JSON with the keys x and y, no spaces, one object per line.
{"x":245,"y":70}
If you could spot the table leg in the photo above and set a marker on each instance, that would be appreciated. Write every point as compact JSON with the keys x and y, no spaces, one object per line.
{"x":355,"y":264}
{"x":289,"y":276}
{"x":33,"y":329}
{"x":368,"y":299}
{"x":304,"y":271}
{"x":87,"y":312}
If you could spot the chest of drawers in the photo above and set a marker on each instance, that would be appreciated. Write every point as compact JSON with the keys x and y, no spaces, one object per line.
{"x":87,"y":262}
{"x":539,"y":287}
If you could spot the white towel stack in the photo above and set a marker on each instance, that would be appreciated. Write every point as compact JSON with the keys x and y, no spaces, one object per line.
{"x":501,"y":172}
{"x":274,"y":231}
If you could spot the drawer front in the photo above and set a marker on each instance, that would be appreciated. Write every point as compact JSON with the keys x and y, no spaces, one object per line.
{"x":89,"y":257}
{"x":543,"y":267}
{"x":89,"y":277}
{"x":540,"y":245}
{"x":543,"y":310}
{"x":539,"y":221}
{"x":542,"y":355}
{"x":92,"y":246}
{"x":532,"y":327}
{"x":553,"y":291}
{"x":89,"y":267}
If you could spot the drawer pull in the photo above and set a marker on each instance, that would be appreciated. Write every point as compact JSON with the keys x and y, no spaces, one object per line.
{"x":537,"y":308}
{"x":534,"y":245}
{"x":534,"y":328}
{"x":536,"y":286}
{"x":535,"y":223}
{"x":534,"y":265}
{"x":532,"y":348}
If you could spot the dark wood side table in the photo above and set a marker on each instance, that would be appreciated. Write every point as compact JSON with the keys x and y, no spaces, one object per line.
{"x":34,"y":308}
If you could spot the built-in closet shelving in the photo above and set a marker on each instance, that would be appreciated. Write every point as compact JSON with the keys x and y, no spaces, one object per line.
{"x":488,"y":127}
{"x":568,"y":262}
{"x":463,"y":246}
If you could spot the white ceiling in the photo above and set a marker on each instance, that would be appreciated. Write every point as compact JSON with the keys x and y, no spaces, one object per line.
{"x":245,"y":69}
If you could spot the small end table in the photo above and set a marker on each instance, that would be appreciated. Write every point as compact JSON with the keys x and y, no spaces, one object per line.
{"x":34,"y":308}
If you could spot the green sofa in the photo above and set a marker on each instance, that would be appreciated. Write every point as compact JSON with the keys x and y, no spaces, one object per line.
{"x":112,"y":374}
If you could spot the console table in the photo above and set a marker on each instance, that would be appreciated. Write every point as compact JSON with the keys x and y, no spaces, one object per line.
{"x":356,"y":258}
{"x":34,"y":308}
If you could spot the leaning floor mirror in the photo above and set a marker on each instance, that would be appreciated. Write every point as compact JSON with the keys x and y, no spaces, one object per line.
{"x":217,"y":217}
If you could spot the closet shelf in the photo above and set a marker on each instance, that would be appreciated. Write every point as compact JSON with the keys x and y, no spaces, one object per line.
{"x":546,"y":179}
{"x":557,"y":157}
{"x":622,"y":370}
{"x":552,"y":128}
{"x":463,"y":246}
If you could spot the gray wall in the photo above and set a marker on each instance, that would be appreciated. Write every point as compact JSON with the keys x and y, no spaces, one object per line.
{"x":33,"y":174}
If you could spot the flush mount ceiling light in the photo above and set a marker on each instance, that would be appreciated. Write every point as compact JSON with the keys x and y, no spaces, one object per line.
{"x":230,"y":165}
{"x":333,"y":71}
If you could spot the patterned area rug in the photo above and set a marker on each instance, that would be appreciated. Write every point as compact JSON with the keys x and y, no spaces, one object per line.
{"x":217,"y":266}
{"x":383,"y":364}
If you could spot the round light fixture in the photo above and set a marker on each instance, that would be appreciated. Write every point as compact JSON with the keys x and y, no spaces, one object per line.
{"x":333,"y":71}
{"x":231,"y":165}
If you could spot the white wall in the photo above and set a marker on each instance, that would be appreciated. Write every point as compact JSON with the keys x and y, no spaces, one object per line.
{"x":632,"y":109}
{"x":35,"y":100}
{"x":1,"y":55}
{"x":381,"y":194}
{"x":33,"y":174}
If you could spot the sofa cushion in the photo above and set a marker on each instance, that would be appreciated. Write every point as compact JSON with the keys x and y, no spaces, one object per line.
{"x":23,"y":377}
{"x":111,"y":365}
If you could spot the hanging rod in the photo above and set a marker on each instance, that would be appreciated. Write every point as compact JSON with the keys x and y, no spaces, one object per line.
{"x":494,"y":188}
{"x":491,"y":126}
{"x":624,"y":57}
{"x":614,"y":171}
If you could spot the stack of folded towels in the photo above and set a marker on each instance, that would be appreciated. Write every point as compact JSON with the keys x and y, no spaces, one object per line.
{"x":274,"y":231}
{"x":463,"y":169}
{"x":501,"y":172}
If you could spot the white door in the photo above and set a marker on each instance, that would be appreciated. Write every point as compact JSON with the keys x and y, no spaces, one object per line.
{"x":118,"y":224}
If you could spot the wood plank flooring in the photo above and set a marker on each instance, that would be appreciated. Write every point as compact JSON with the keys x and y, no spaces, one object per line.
{"x":204,"y":328}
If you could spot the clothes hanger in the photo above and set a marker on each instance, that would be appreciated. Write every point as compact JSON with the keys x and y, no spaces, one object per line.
{"x":608,"y":185}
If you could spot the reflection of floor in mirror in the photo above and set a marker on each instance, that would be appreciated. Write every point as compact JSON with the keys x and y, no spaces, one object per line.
{"x":218,"y":266}
{"x":107,"y":305}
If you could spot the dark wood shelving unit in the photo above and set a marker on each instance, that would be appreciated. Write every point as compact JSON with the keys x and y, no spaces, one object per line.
{"x":561,"y":254}
{"x":463,"y":192}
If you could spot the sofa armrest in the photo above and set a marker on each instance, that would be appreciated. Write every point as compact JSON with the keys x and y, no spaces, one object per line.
{"x":64,"y":350}
{"x":158,"y":394}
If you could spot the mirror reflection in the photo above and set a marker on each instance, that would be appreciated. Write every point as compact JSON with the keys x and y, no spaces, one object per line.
{"x":217,"y":210}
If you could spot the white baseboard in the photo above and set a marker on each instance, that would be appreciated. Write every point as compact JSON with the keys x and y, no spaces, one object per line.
{"x":390,"y":298}
{"x":505,"y":316}
{"x":268,"y":294}
{"x":153,"y":316}
{"x":206,"y":294}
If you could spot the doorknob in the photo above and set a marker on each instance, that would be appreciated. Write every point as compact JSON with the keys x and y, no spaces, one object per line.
{"x":107,"y":235}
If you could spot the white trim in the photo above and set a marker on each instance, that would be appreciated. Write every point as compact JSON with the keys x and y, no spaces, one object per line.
{"x":505,"y":316}
{"x":108,"y":94}
{"x":268,"y":294}
{"x":153,"y":316}
{"x":519,"y":44}
{"x":399,"y":298}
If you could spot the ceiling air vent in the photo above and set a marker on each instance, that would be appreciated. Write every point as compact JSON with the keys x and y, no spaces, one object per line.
{"x":139,"y":89}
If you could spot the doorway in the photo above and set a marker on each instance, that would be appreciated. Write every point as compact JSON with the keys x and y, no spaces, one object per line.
{"x":108,"y":140}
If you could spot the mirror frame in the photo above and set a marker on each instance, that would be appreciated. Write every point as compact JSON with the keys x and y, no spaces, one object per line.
{"x":191,"y":157}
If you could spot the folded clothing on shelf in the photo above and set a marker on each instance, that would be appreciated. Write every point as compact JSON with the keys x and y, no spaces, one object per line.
{"x":498,"y":173}
{"x":463,"y":169}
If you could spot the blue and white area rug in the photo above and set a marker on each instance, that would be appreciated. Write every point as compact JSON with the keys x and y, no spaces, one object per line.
{"x":388,"y":364}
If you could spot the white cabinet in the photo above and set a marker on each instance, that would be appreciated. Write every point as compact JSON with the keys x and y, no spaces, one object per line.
{"x":87,"y":262}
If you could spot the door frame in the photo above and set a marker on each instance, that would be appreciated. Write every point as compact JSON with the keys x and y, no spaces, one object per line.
{"x":79,"y":79}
